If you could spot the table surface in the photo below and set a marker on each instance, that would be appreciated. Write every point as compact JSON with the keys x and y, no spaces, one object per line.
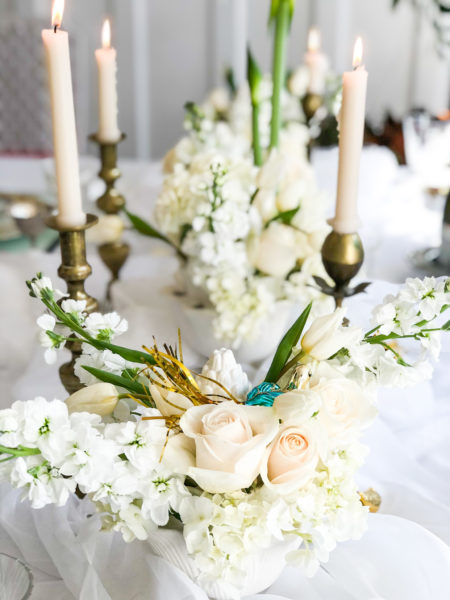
{"x":405,"y":552}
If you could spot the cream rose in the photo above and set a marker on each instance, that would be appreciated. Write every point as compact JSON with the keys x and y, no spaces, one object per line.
{"x":230,"y":442}
{"x":291,"y":459}
{"x":346,"y":408}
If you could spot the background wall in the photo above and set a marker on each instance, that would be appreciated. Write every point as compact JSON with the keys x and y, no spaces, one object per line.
{"x":171,"y":51}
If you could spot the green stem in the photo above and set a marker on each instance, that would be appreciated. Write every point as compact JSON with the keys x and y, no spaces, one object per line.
{"x":279,"y":68}
{"x":256,"y":143}
{"x":378,"y":339}
{"x":19,"y":451}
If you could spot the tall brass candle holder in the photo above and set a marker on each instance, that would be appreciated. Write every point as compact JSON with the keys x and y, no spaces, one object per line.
{"x":342,"y":257}
{"x":74,"y":269}
{"x":111,"y":202}
{"x":311,"y":104}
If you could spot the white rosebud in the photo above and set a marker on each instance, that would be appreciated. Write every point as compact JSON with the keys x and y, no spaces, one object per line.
{"x":326,"y":336}
{"x":99,"y":399}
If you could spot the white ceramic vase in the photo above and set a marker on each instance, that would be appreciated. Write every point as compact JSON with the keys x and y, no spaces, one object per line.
{"x":263,"y":570}
{"x":196,"y":324}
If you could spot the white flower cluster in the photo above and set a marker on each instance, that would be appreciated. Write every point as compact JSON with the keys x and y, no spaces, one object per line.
{"x":242,"y":471}
{"x":251,"y":236}
{"x":117,"y":465}
{"x":414,"y":314}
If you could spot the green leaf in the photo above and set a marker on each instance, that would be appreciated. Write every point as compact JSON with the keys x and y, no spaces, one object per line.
{"x":286,"y":345}
{"x":134,"y":387}
{"x":231,"y":82}
{"x":446,"y":326}
{"x":285,"y":217}
{"x":145,"y":228}
{"x":135,"y":356}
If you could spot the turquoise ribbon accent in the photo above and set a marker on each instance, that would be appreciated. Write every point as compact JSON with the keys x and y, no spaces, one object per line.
{"x":263,"y":394}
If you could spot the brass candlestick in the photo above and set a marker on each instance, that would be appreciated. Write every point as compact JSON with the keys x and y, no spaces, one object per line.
{"x":111,"y":202}
{"x":342,"y":257}
{"x":74,"y":269}
{"x":311,"y":104}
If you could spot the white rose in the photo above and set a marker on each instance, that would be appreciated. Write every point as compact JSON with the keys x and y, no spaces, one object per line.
{"x":326,"y":336}
{"x":98,"y":399}
{"x":291,"y":459}
{"x":346,"y":408}
{"x":108,"y":230}
{"x":230,"y":441}
{"x":274,"y":251}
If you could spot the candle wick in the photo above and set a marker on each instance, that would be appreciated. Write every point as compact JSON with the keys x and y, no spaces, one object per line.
{"x":55,"y":28}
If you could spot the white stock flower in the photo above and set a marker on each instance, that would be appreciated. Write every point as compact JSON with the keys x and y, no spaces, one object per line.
{"x":50,"y":342}
{"x":105,"y":327}
{"x":429,"y":293}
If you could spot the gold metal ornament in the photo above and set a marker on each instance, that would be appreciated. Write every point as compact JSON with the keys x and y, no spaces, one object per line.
{"x":74,"y":269}
{"x":372,"y":499}
{"x":111,"y":202}
{"x":342,"y":257}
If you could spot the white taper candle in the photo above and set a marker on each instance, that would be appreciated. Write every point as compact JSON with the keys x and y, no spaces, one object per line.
{"x":108,"y":130}
{"x":351,"y":134}
{"x":65,"y":147}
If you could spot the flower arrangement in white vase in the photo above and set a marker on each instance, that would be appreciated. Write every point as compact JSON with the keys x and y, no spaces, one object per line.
{"x":226,"y":481}
{"x":244,"y":215}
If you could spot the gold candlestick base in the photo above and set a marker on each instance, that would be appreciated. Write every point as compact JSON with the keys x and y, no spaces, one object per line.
{"x":114,"y":254}
{"x":310,"y":104}
{"x":342,"y":257}
{"x":74,"y":269}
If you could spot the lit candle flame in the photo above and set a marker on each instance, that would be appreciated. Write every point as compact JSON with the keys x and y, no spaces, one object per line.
{"x":57,"y":13}
{"x":314,"y":40}
{"x":106,"y":34}
{"x":357,"y":53}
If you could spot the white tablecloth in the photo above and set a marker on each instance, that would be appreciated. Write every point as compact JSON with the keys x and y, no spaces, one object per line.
{"x":405,"y":552}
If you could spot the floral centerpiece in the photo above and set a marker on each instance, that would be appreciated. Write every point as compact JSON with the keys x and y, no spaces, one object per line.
{"x":225,"y":480}
{"x":241,"y":207}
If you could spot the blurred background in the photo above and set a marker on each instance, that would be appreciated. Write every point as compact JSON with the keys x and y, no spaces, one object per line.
{"x":171,"y":51}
